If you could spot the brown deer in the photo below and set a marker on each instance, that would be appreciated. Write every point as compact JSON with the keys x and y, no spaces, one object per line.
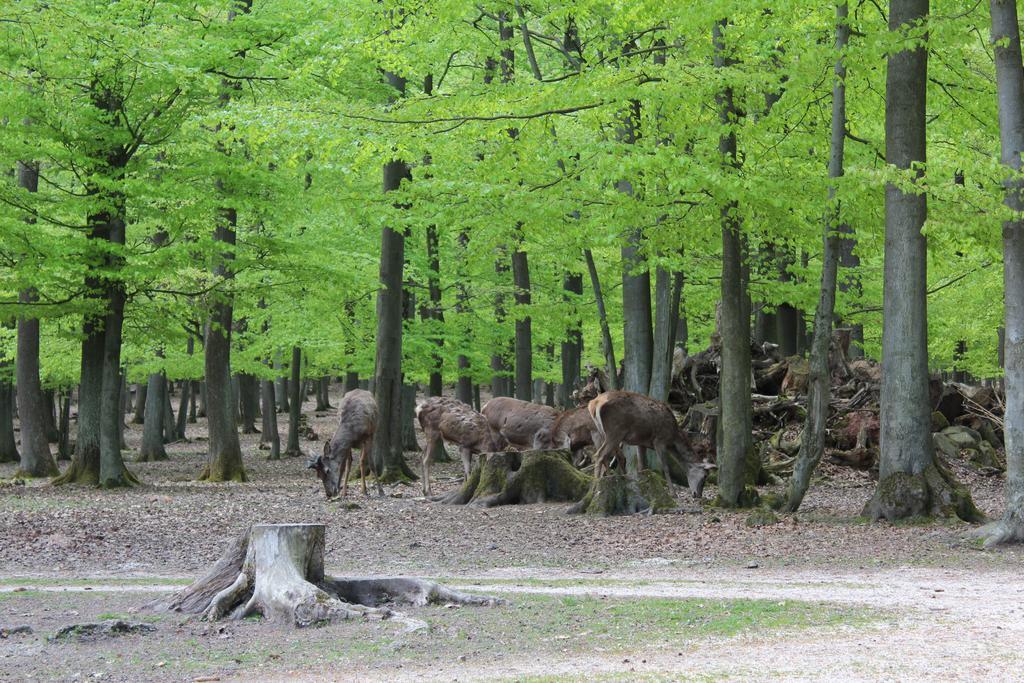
{"x":518,"y":421}
{"x":358,"y":423}
{"x":448,"y":419}
{"x":624,"y":417}
{"x":573,"y":429}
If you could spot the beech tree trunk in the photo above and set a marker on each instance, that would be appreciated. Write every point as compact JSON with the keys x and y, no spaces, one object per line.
{"x":611,"y":368}
{"x":183,"y":401}
{"x":64,"y":445}
{"x":524,"y":326}
{"x":36,"y":459}
{"x":1010,"y":89}
{"x":8,"y":447}
{"x":50,"y":416}
{"x":323,"y":394}
{"x":293,"y":450}
{"x":572,"y":345}
{"x":152,"y":448}
{"x":248,"y":401}
{"x":812,"y":443}
{"x":737,"y":461}
{"x":140,"y":404}
{"x":911,"y":482}
{"x":388,"y":463}
{"x":666,"y":313}
{"x":464,"y":386}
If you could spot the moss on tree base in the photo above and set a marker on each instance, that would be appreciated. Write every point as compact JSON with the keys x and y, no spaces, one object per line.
{"x":513,"y":478}
{"x":619,"y":494}
{"x":749,"y":498}
{"x":932,"y":493}
{"x":398,"y":475}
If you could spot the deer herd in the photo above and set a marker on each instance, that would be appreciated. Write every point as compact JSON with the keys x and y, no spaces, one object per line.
{"x":609,"y":421}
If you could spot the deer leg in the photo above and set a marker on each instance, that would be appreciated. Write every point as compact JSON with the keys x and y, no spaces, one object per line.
{"x":364,"y":453}
{"x":599,"y":460}
{"x":467,"y":459}
{"x":425,"y":466}
{"x":345,"y":471}
{"x":663,"y":454}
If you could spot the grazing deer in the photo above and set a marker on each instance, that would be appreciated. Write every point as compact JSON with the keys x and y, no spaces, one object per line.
{"x":358,"y":423}
{"x":447,"y":419}
{"x":518,"y":421}
{"x":573,"y":429}
{"x":624,"y":417}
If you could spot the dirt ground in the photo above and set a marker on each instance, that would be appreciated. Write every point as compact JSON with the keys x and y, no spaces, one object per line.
{"x":840,"y":598}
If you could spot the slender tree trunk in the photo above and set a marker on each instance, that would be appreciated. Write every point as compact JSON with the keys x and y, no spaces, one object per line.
{"x":910,"y":480}
{"x":36,"y":460}
{"x":270,"y":434}
{"x":351,"y":381}
{"x":85,"y":464}
{"x":572,"y":345}
{"x":224,"y":450}
{"x":201,"y":409}
{"x":183,"y":401}
{"x":500,"y":380}
{"x":293,"y":450}
{"x":606,"y":335}
{"x":434,"y":312}
{"x":464,"y":385}
{"x":248,"y":401}
{"x":152,"y":448}
{"x":737,"y":461}
{"x":812,"y":443}
{"x":1010,"y":88}
{"x":64,"y":445}
{"x":281,"y":391}
{"x":169,"y":429}
{"x":524,"y":327}
{"x":8,"y":447}
{"x":666,"y":310}
{"x":388,"y":461}
{"x":140,"y":404}
{"x":323,"y":398}
{"x":50,"y":417}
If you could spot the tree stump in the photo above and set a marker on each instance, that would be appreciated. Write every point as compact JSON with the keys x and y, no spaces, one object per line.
{"x":619,"y":494}
{"x":514,"y":478}
{"x":277,"y":571}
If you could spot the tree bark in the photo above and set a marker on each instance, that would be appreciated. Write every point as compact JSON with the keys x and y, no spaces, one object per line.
{"x":152,"y":448}
{"x":50,"y":417}
{"x":36,"y":459}
{"x":8,"y":447}
{"x":737,"y":461}
{"x":524,"y":326}
{"x":1010,"y":89}
{"x":248,"y":401}
{"x":323,"y":394}
{"x":388,"y":462}
{"x":611,"y":368}
{"x":64,"y":445}
{"x":224,"y":450}
{"x":812,"y":443}
{"x":293,"y":450}
{"x":572,"y":345}
{"x":910,"y":481}
{"x":270,"y":434}
{"x":281,"y":392}
{"x":666,"y":311}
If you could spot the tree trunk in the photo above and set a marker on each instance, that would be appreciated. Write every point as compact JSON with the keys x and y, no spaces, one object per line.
{"x":270,"y":434}
{"x":611,"y":368}
{"x":1010,"y":88}
{"x":323,"y":397}
{"x":85,"y":464}
{"x":464,"y":386}
{"x":248,"y":401}
{"x":637,"y":332}
{"x":50,"y":417}
{"x":665,"y":300}
{"x":434,"y":312}
{"x":293,"y":450}
{"x":36,"y":460}
{"x":737,"y":461}
{"x":140,"y":404}
{"x":388,"y":463}
{"x":812,"y":443}
{"x":500,"y":380}
{"x":910,"y":480}
{"x":8,"y":447}
{"x":524,"y":326}
{"x":572,"y":345}
{"x":152,"y":448}
{"x":182,"y":418}
{"x":64,"y":445}
{"x":351,"y":381}
{"x":224,"y":450}
{"x":281,"y":391}
{"x":169,"y":424}
{"x":201,"y":408}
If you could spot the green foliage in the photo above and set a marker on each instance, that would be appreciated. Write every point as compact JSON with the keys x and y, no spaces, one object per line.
{"x":298,"y":147}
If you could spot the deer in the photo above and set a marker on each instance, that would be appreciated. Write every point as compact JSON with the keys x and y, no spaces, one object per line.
{"x":573,"y":429}
{"x":447,"y":419}
{"x":358,"y":423}
{"x":624,"y":417}
{"x":518,"y":421}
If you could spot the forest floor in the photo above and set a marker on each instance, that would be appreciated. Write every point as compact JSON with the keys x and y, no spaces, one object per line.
{"x":696,"y":594}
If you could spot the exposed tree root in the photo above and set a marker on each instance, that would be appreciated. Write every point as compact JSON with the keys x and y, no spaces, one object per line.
{"x":619,"y":494}
{"x":276,"y":570}
{"x":513,"y":478}
{"x":932,"y":493}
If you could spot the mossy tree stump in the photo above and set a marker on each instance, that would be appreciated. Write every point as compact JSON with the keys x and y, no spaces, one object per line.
{"x":513,"y":478}
{"x":277,"y":571}
{"x":620,"y":494}
{"x":931,"y":493}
